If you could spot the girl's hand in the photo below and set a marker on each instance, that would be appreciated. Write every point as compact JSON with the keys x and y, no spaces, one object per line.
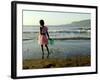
{"x":49,"y":38}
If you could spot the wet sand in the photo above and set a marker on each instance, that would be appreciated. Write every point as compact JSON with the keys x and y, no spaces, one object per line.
{"x":57,"y":63}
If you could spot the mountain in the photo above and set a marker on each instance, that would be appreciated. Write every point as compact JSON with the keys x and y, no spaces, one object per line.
{"x":82,"y":23}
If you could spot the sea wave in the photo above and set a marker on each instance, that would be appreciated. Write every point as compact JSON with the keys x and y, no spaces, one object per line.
{"x":59,"y":31}
{"x":61,"y":38}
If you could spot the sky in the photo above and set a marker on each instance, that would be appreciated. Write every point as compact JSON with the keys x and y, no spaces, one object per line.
{"x":52,"y":18}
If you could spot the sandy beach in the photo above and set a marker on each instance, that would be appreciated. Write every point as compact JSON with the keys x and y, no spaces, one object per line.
{"x":57,"y":63}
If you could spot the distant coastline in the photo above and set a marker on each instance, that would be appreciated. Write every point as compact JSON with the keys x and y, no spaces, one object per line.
{"x":83,"y":23}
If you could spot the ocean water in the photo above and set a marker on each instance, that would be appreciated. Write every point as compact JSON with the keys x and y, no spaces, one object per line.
{"x":57,"y":32}
{"x":62,"y":48}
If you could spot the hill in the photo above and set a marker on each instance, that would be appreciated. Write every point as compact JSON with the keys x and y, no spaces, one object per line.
{"x":83,"y":23}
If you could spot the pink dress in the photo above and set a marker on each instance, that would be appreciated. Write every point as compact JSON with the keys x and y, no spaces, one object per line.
{"x":43,"y":39}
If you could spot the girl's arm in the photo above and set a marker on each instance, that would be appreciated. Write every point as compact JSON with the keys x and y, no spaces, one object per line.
{"x":48,"y":35}
{"x":40,"y":30}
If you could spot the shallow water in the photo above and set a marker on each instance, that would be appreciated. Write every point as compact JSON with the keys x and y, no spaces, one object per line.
{"x":60,"y":49}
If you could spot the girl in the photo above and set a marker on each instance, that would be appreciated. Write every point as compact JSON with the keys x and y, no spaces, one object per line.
{"x":43,"y":38}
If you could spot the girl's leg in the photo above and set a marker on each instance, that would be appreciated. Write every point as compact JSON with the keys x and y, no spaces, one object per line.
{"x":47,"y":50}
{"x":42,"y":51}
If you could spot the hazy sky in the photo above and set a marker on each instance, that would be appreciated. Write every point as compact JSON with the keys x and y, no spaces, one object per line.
{"x":52,"y":18}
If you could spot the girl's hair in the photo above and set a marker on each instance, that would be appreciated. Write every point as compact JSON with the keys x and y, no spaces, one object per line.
{"x":42,"y":22}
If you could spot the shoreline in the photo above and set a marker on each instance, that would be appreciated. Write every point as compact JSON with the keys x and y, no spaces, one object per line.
{"x":78,"y":61}
{"x":71,"y":38}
